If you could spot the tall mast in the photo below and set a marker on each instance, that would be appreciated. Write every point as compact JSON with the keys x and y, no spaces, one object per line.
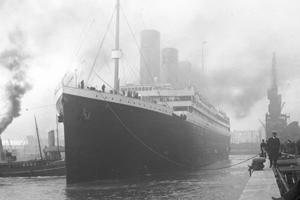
{"x":38,"y":137}
{"x":57,"y":138}
{"x":116,"y":52}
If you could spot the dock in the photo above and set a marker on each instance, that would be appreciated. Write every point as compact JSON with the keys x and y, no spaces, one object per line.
{"x":262,"y":185}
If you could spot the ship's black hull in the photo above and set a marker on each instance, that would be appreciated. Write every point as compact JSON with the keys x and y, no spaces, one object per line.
{"x":106,"y":140}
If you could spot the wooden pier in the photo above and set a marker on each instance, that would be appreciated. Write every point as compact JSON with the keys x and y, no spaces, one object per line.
{"x":262,"y":185}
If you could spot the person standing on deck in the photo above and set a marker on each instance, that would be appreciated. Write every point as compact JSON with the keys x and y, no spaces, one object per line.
{"x":103,"y":88}
{"x":273,"y":145}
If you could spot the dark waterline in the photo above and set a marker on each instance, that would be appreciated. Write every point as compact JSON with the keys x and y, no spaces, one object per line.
{"x":225,"y":184}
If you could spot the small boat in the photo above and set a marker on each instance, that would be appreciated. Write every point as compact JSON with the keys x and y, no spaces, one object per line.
{"x":29,"y":168}
{"x":33,"y":168}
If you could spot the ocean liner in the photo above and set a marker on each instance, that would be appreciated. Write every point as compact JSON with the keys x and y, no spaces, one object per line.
{"x":138,"y":129}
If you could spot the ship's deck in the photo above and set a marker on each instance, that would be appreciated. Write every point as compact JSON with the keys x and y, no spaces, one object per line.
{"x":261,"y":186}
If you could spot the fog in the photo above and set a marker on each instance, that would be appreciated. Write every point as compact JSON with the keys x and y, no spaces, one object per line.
{"x":240,"y":38}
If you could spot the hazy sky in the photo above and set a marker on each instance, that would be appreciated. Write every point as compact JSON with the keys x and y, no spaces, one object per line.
{"x":53,"y":37}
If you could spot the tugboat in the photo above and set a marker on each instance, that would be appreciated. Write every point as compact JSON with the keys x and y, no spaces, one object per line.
{"x":32,"y":168}
{"x":138,"y":129}
{"x":9,"y":167}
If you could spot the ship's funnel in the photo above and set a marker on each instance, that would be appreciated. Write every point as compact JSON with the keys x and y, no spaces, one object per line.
{"x":51,"y":138}
{"x":149,"y":56}
{"x":169,"y":66}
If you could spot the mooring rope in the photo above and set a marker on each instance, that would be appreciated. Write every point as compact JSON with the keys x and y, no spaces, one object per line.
{"x":229,"y":166}
{"x":143,"y":143}
{"x":163,"y":156}
{"x":156,"y":152}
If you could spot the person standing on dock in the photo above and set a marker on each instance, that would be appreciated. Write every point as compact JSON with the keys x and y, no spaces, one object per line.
{"x":263,"y":148}
{"x":273,"y":145}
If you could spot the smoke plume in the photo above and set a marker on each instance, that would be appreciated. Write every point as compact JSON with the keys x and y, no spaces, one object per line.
{"x":13,"y":60}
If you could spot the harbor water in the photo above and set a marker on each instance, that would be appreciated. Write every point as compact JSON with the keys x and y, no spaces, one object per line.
{"x":221,"y":184}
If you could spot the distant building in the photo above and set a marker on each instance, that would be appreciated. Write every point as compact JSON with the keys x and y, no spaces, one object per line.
{"x":246,"y":136}
{"x":28,"y":149}
{"x":246,"y":141}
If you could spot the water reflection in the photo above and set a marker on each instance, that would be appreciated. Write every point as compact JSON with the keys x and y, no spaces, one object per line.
{"x":204,"y":184}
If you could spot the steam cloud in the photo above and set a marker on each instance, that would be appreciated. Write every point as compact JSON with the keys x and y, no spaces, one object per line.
{"x":238,"y":91}
{"x":13,"y":59}
{"x":231,"y":88}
